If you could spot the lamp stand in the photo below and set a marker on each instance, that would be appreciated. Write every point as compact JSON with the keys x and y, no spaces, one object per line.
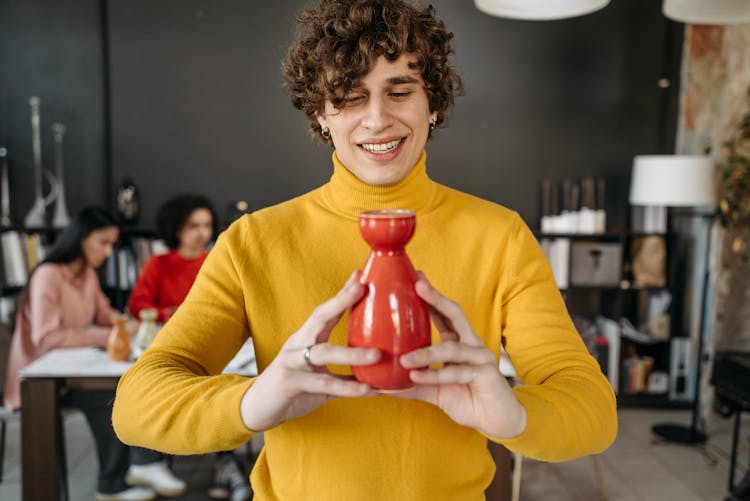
{"x":679,"y":433}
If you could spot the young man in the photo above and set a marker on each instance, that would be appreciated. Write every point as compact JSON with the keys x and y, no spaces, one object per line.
{"x":374,"y":79}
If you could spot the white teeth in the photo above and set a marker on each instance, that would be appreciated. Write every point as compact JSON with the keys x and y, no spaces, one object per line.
{"x":381,"y":147}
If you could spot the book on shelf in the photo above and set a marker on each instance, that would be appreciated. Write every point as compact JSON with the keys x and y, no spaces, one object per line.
{"x":21,"y":253}
{"x":635,"y":374}
{"x":126,"y":262}
{"x":557,"y":251}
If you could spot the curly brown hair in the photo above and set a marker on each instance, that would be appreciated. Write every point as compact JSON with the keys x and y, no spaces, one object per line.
{"x":339,"y":41}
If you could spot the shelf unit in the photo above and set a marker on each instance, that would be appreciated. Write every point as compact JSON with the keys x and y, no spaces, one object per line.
{"x":625,"y":298}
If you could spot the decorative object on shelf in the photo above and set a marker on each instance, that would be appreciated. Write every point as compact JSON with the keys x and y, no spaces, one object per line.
{"x":128,"y":200}
{"x":4,"y":188}
{"x":581,"y":210}
{"x":118,"y":342}
{"x":680,"y":181}
{"x":539,"y":10}
{"x":734,"y":187}
{"x":36,"y":216}
{"x":587,"y":211}
{"x":390,"y":316}
{"x":707,"y":11}
{"x":649,"y":257}
{"x":601,"y":208}
{"x":60,"y":218}
{"x":148,"y":329}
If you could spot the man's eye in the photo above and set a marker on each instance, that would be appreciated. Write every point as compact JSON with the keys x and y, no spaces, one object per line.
{"x":355,"y":98}
{"x":401,"y":95}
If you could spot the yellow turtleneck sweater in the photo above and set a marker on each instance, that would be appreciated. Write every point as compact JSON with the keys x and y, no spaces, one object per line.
{"x":263,"y":279}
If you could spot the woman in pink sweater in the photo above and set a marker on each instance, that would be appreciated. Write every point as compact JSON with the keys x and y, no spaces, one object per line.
{"x":63,"y":306}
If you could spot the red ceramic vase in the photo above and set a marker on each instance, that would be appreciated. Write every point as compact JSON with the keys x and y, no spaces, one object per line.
{"x":390,"y":316}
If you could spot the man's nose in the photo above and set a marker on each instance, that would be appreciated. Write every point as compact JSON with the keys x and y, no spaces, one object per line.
{"x":377,"y":115}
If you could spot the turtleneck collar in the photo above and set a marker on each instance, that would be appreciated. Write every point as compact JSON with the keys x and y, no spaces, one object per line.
{"x":347,"y":195}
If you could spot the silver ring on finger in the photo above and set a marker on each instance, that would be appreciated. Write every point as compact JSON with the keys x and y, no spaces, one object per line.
{"x":306,"y":355}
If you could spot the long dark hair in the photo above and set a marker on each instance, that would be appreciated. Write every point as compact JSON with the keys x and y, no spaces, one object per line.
{"x":67,"y":247}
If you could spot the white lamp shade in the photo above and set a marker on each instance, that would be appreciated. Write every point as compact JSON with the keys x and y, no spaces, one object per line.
{"x":672,"y":181}
{"x":539,"y":10}
{"x":708,"y":11}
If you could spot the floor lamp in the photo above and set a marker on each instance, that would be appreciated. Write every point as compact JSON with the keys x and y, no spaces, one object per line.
{"x":679,"y":181}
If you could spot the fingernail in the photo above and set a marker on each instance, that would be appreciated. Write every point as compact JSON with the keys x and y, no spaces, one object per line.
{"x":372,"y":354}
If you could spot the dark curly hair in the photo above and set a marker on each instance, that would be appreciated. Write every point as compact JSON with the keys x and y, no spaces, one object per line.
{"x":174,"y":213}
{"x":339,"y":42}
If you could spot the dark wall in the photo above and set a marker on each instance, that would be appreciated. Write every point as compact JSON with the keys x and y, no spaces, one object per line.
{"x":198,"y":103}
{"x":52,"y":50}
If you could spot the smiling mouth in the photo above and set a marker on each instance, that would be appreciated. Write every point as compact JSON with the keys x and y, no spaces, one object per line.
{"x":381,"y":147}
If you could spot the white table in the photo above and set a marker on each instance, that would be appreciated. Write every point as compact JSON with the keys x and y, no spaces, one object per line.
{"x":74,"y":368}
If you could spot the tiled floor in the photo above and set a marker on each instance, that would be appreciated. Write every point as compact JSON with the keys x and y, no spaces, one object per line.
{"x":635,"y":468}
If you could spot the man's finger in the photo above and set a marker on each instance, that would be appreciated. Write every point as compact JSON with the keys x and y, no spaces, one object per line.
{"x":327,"y":314}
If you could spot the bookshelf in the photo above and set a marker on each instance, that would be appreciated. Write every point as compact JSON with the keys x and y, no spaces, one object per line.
{"x":122,"y":268}
{"x":21,"y":249}
{"x":630,"y":327}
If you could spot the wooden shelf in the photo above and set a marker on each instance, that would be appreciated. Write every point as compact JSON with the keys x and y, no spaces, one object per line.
{"x":10,"y":290}
{"x":609,"y":235}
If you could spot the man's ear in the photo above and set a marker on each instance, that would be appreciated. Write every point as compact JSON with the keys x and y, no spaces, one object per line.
{"x":321,"y":118}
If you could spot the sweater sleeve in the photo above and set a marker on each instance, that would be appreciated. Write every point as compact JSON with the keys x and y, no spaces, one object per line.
{"x":46,"y":316}
{"x":146,"y":290}
{"x":570,"y":404}
{"x":174,"y":398}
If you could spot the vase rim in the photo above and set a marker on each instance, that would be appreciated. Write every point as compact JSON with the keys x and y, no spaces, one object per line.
{"x":388,"y":213}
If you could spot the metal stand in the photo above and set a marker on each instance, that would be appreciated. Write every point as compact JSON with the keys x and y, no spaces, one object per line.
{"x":679,"y":433}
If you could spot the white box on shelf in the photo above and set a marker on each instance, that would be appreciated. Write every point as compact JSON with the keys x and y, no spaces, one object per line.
{"x":596,"y":264}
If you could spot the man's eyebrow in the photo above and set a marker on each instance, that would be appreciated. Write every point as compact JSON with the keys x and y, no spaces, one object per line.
{"x":405,"y":79}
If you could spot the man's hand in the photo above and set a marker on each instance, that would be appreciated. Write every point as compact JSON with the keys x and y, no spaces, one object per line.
{"x":297,"y":381}
{"x":468,"y":386}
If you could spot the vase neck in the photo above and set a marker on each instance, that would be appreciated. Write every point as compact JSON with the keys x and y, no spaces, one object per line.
{"x":389,"y":250}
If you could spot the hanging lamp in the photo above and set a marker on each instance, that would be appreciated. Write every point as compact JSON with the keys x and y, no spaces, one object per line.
{"x":539,"y":10}
{"x":708,"y":11}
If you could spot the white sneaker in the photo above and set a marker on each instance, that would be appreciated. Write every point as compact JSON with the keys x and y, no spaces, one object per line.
{"x":229,"y":480}
{"x":131,"y":494}
{"x":157,"y":476}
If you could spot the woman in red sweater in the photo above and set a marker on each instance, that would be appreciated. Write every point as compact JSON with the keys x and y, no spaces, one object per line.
{"x":188,"y":224}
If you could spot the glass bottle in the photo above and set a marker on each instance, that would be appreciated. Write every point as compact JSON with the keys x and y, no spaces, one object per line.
{"x":390,"y":316}
{"x":148,"y":329}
